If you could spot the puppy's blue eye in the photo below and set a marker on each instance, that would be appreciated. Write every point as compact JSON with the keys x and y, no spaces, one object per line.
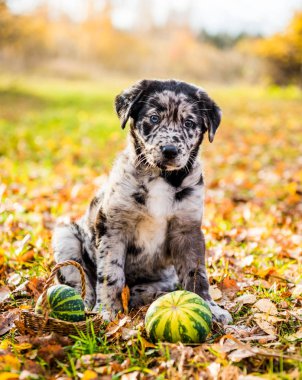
{"x":189,"y":123}
{"x":154,"y":119}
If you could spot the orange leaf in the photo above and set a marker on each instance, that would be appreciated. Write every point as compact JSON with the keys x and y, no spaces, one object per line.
{"x":35,"y":286}
{"x":27,"y":256}
{"x":229,"y":283}
{"x":125,"y":298}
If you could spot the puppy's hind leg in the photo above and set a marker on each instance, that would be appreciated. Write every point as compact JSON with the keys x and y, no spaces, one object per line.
{"x":67,"y":245}
{"x":145,"y":293}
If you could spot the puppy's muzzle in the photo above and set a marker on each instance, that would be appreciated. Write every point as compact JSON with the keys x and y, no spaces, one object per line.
{"x":169,"y":151}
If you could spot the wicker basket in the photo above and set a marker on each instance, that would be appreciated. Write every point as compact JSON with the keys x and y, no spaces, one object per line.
{"x":37,"y":324}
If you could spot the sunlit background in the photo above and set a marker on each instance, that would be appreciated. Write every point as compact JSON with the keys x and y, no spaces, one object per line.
{"x":203,"y":40}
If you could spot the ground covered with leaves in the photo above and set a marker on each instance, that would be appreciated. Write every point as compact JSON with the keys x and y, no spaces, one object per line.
{"x":58,"y":140}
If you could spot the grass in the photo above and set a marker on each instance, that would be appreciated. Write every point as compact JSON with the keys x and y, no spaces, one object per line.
{"x":59,"y":139}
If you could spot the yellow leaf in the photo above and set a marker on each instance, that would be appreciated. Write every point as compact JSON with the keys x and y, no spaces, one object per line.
{"x":8,"y":376}
{"x":146,"y":344}
{"x":9,"y":361}
{"x":4,"y":344}
{"x":25,"y":307}
{"x":89,"y":375}
{"x":22,"y":346}
{"x":291,"y":188}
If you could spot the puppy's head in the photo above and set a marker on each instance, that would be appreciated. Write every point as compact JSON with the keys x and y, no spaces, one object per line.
{"x":168,"y":121}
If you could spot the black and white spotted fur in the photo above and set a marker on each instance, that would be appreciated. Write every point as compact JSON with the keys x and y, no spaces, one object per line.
{"x":143,"y":228}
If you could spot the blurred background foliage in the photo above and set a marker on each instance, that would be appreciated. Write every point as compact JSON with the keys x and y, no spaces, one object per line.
{"x":92,"y":46}
{"x":283,"y":53}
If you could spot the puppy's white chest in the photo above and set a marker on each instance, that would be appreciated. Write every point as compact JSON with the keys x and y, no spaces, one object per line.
{"x":151,"y":230}
{"x":160,"y":199}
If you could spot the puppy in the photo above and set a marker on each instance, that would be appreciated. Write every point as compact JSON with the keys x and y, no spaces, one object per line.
{"x":143,"y":228}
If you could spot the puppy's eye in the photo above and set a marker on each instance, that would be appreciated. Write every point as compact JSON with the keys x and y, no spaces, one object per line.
{"x":189,"y":123}
{"x":154,"y":119}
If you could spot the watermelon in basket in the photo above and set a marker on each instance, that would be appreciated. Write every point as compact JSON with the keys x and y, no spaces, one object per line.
{"x":63,"y":302}
{"x":60,"y":309}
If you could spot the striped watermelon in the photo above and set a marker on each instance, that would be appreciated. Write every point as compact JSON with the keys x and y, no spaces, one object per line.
{"x":64,"y":303}
{"x":180,"y":316}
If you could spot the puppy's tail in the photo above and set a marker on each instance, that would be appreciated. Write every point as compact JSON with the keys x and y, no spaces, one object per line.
{"x":67,"y":243}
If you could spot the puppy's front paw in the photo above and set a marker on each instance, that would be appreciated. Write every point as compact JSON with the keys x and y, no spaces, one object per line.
{"x":220,"y":315}
{"x":108,"y":313}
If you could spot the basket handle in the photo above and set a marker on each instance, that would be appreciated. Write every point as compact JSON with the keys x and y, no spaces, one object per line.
{"x":52,"y":276}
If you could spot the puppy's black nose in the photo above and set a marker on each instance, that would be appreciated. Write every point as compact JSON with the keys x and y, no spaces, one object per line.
{"x":169,"y":151}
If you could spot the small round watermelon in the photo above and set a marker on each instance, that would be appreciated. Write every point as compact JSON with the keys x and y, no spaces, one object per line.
{"x":180,"y":316}
{"x":64,"y":303}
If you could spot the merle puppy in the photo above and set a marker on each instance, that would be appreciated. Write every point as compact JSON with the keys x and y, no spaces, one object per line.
{"x":143,"y":228}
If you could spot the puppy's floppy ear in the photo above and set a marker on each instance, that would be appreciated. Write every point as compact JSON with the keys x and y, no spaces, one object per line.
{"x":211,"y":113}
{"x":125,"y":101}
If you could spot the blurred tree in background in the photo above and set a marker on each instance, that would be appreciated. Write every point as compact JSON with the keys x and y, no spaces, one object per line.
{"x":283,"y":53}
{"x":94,"y":46}
{"x":23,"y":39}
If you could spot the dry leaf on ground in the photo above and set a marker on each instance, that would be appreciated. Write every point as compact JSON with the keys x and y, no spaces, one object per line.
{"x":269,"y":318}
{"x":35,"y":286}
{"x":266,"y":327}
{"x":33,"y":366}
{"x":215,"y":293}
{"x":238,"y":355}
{"x":234,"y":348}
{"x":25,"y":375}
{"x":114,"y":326}
{"x":214,"y":369}
{"x":14,"y":279}
{"x":128,"y":333}
{"x":240,"y":331}
{"x":296,"y":336}
{"x":135,"y":375}
{"x":266,"y":306}
{"x":7,"y":320}
{"x":297,"y":291}
{"x":51,"y":353}
{"x":246,"y":299}
{"x":4,"y":293}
